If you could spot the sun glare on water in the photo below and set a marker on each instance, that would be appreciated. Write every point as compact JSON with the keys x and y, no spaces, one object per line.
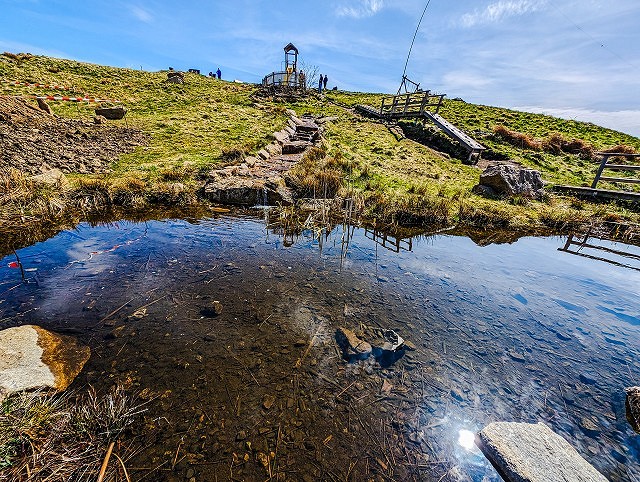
{"x":466,"y":439}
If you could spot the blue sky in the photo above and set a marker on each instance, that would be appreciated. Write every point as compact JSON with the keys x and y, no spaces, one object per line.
{"x":572,"y":58}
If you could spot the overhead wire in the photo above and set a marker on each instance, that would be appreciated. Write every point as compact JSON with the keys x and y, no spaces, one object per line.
{"x":592,"y":37}
{"x":404,"y":72}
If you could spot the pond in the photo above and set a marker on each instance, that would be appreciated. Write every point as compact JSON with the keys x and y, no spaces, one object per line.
{"x":517,"y":331}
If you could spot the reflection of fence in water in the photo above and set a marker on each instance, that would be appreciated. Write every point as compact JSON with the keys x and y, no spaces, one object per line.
{"x":577,"y":243}
{"x":389,"y":242}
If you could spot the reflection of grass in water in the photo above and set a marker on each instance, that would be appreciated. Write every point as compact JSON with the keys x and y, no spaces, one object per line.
{"x":45,"y":436}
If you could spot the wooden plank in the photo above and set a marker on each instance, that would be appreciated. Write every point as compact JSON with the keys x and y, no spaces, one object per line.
{"x":616,"y":154}
{"x":452,"y":131}
{"x":620,"y":179}
{"x":603,"y":164}
{"x":622,"y":167}
{"x":589,"y":192}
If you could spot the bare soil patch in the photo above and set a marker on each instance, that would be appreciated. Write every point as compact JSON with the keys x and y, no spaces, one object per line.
{"x":34,"y":141}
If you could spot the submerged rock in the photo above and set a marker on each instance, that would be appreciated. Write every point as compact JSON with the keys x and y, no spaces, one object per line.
{"x":523,"y":452}
{"x":389,"y":347}
{"x":32,"y":357}
{"x":633,"y":407}
{"x":509,"y":180}
{"x":214,"y":310}
{"x":352,"y":346}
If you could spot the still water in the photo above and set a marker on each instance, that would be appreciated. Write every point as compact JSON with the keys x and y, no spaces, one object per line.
{"x":503,"y":332}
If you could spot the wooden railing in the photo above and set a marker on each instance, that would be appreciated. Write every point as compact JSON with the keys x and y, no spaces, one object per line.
{"x":281,"y":79}
{"x":616,"y":167}
{"x":416,"y":103}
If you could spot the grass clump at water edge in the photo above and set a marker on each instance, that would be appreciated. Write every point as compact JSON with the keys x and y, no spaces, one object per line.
{"x":64,"y":437}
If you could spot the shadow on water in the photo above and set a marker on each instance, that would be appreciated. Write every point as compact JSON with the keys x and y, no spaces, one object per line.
{"x":254,"y":387}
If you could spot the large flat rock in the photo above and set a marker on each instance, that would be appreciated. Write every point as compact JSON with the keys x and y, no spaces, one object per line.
{"x":523,"y":452}
{"x":249,"y":191}
{"x":32,"y":357}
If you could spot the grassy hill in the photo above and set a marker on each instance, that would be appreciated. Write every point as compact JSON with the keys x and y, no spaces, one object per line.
{"x":206,"y":123}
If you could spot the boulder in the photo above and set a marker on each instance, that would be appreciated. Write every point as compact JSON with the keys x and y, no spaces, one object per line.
{"x":32,"y":357}
{"x":111,"y":113}
{"x":52,"y":177}
{"x":247,"y":191}
{"x":274,"y":149}
{"x":633,"y":407}
{"x":509,"y":180}
{"x":523,"y":452}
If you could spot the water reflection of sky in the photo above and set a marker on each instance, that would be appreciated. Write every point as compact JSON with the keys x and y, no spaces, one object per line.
{"x":514,"y":332}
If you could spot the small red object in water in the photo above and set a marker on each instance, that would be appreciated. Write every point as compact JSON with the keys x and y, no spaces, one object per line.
{"x":14,"y":264}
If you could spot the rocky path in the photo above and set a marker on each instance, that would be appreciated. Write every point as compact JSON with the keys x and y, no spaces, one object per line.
{"x":260,"y":179}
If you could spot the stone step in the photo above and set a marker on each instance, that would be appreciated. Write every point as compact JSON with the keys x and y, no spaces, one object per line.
{"x":295,"y":147}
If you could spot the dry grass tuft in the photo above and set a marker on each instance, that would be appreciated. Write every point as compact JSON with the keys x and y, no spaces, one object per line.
{"x":318,"y":175}
{"x":22,"y":198}
{"x":557,"y":144}
{"x":46,"y":436}
{"x":233,"y":155}
{"x":19,"y":57}
{"x":517,"y":139}
{"x":176,"y":173}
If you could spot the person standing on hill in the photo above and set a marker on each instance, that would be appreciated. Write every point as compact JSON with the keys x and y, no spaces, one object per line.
{"x":302,"y":81}
{"x":325,"y":80}
{"x":219,"y":74}
{"x":320,"y":84}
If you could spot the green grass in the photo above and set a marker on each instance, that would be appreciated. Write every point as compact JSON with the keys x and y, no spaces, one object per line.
{"x":480,"y":120}
{"x":191,"y":125}
{"x":205,"y":123}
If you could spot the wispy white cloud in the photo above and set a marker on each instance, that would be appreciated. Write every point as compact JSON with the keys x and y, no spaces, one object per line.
{"x":359,"y":8}
{"x":141,"y":14}
{"x":460,"y":80}
{"x":500,"y":10}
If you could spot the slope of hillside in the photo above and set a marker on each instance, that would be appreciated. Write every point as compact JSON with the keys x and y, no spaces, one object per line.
{"x":205,"y":123}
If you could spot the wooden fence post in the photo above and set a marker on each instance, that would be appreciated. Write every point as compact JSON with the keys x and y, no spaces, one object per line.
{"x":605,"y":158}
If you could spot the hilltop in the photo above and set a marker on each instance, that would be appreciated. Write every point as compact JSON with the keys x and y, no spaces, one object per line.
{"x":409,"y":174}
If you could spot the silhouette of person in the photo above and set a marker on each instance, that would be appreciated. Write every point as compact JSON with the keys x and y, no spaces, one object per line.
{"x":320,"y":84}
{"x":326,"y":79}
{"x":302,"y":80}
{"x":219,"y":74}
